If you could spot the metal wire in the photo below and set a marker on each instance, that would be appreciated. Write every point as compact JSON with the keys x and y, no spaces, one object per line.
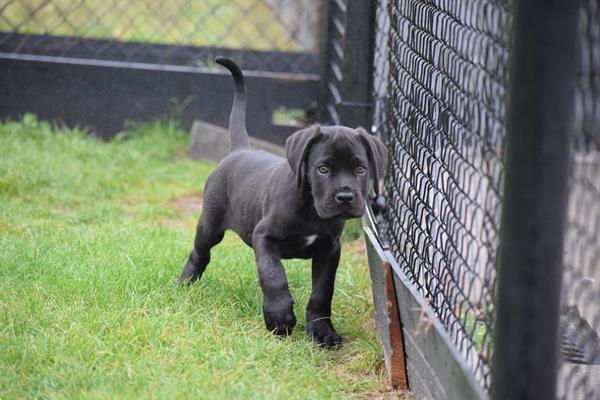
{"x":381,"y":66}
{"x":579,"y":371}
{"x":439,"y":100}
{"x":178,"y":32}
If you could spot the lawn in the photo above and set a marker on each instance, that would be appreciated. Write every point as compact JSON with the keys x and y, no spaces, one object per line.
{"x":92,"y":238}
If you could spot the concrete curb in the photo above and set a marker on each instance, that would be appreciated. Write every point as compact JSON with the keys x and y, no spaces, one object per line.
{"x":211,"y":142}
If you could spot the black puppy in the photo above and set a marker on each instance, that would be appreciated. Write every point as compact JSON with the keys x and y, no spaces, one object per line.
{"x":294,"y":208}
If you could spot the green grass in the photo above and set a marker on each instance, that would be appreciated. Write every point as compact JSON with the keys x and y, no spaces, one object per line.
{"x":92,"y":237}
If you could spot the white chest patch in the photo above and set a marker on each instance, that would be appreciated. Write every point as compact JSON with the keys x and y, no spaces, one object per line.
{"x":310,"y":239}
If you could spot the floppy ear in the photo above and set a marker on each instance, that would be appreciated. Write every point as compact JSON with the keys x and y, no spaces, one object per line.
{"x":377,"y":153}
{"x":297,"y":147}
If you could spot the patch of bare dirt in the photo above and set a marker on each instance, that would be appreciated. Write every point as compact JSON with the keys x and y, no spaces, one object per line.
{"x":357,"y":246}
{"x":388,"y":394}
{"x":189,"y":203}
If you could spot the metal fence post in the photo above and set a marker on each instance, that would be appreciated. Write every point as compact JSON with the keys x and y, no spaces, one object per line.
{"x":347,"y":62}
{"x":355,"y":91}
{"x":535,"y":198}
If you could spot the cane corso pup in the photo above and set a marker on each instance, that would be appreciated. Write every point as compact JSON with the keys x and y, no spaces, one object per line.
{"x":288,"y":208}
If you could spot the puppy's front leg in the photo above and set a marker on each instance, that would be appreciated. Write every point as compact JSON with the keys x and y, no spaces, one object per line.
{"x":278,"y":303}
{"x":318,"y":310}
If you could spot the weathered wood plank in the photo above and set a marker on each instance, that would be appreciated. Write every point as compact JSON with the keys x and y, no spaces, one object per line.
{"x":386,"y":313}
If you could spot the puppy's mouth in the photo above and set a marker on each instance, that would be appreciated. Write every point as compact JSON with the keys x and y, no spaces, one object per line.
{"x":350,"y":215}
{"x":328,"y":211}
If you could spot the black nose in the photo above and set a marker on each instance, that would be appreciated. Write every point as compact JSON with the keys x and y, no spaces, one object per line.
{"x":344,"y":197}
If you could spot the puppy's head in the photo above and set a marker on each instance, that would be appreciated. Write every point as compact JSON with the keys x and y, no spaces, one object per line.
{"x":337,"y":164}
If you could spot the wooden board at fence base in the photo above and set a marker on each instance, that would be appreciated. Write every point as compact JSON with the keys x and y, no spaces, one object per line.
{"x":397,"y":365}
{"x":387,"y":318}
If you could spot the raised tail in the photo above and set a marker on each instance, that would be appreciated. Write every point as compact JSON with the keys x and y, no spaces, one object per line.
{"x":237,"y":118}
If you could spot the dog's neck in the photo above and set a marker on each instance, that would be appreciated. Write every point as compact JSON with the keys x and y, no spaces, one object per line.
{"x":307,"y":207}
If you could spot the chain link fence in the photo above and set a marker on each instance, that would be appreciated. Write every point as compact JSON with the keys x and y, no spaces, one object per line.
{"x":381,"y":66}
{"x":173,"y":32}
{"x":579,"y":371}
{"x":440,"y":86}
{"x":440,"y":83}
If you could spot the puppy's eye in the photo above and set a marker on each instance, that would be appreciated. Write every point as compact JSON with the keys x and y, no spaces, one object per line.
{"x":360,"y":170}
{"x":323,"y":169}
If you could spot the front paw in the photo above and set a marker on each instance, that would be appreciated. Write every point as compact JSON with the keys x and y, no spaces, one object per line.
{"x":322,"y":332}
{"x":279,"y":316}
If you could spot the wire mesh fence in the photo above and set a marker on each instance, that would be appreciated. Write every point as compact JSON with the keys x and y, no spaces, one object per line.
{"x":380,"y":66}
{"x":179,"y":32}
{"x":440,"y":86}
{"x":440,"y":83}
{"x":579,"y":371}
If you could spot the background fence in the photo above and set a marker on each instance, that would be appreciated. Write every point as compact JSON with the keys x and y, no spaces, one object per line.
{"x":579,"y":371}
{"x":431,"y":78}
{"x":191,"y":32}
{"x":139,"y":58}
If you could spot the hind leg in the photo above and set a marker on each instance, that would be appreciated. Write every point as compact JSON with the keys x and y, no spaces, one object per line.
{"x":207,"y":236}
